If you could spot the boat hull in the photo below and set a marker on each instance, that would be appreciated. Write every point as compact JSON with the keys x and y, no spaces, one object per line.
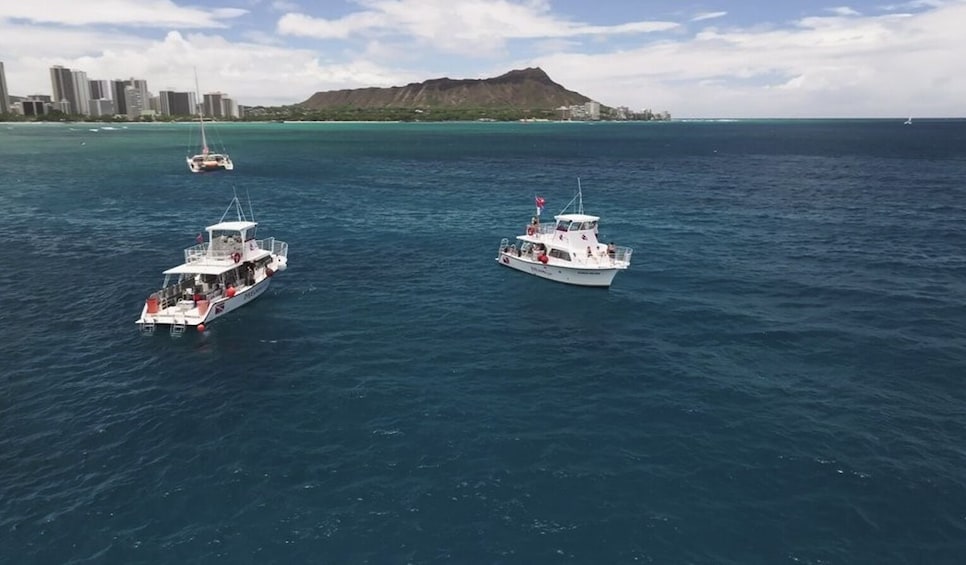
{"x":192,"y":316}
{"x":578,"y":276}
{"x":209,"y":166}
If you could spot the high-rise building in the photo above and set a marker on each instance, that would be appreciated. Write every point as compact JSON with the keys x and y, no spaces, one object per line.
{"x":62,"y":83}
{"x":101,"y":107}
{"x":212,"y":102}
{"x":117,"y":94}
{"x":164,"y":101}
{"x":135,"y":101}
{"x":229,"y":108}
{"x":33,"y":107}
{"x":61,"y":106}
{"x":82,"y":92}
{"x":177,"y":103}
{"x":100,"y":89}
{"x":4,"y":93}
{"x":142,"y":86}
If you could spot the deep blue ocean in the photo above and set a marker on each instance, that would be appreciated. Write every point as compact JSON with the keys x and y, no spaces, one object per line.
{"x":779,"y":378}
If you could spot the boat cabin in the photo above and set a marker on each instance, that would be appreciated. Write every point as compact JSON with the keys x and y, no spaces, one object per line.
{"x":576,"y":231}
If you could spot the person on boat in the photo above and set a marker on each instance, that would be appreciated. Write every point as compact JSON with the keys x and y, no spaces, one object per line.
{"x":611,"y":249}
{"x":590,"y":252}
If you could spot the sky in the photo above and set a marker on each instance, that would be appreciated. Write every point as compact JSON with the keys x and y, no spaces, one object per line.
{"x":703,"y":59}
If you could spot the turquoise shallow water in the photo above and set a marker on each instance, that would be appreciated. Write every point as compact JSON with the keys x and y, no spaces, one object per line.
{"x":777,"y":379}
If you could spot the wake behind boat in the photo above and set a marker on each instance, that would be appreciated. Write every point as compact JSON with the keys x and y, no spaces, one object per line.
{"x":228,"y":271}
{"x":566,"y":251}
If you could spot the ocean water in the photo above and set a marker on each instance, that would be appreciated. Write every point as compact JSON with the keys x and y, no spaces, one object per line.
{"x":778,"y":378}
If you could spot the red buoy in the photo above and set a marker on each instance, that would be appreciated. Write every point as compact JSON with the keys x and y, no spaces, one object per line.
{"x":543,"y":259}
{"x":201,"y":328}
{"x":230,"y":292}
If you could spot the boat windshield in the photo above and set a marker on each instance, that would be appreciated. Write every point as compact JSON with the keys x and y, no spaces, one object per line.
{"x":225,"y":239}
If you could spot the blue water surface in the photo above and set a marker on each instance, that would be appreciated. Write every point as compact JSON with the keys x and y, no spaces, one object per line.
{"x":778,"y":378}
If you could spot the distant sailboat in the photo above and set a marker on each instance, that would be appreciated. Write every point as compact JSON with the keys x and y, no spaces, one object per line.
{"x":908,"y":122}
{"x":206,"y":160}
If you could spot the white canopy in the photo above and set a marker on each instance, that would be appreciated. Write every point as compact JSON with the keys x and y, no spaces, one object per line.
{"x":232,"y":226}
{"x":199,"y":269}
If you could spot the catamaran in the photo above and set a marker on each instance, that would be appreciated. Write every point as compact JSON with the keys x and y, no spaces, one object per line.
{"x":206,"y":161}
{"x":566,"y":250}
{"x":219,"y":275}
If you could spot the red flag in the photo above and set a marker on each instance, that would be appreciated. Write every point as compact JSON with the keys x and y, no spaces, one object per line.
{"x":540,"y":201}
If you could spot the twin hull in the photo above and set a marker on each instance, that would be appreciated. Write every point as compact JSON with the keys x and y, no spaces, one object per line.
{"x":569,"y":275}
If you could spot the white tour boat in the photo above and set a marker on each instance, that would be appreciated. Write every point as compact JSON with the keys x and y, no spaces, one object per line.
{"x":567,"y":250}
{"x":228,"y":271}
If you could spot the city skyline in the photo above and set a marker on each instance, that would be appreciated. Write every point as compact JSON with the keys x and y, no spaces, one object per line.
{"x":714,"y":58}
{"x":73,"y":92}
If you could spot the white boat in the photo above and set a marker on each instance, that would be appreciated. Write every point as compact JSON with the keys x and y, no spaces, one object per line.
{"x":908,"y":122}
{"x":206,"y":161}
{"x":567,"y":250}
{"x":219,"y":275}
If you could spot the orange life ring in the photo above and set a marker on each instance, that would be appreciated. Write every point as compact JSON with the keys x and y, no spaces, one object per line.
{"x":236,"y":256}
{"x":531,"y":230}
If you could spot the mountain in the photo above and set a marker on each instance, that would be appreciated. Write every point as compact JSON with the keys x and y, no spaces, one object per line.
{"x":529,"y":88}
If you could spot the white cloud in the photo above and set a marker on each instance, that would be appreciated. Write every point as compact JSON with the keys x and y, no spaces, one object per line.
{"x":916,"y":5}
{"x":843,"y":11}
{"x":708,"y":16}
{"x":825,"y":66}
{"x":469,"y":27}
{"x":833,"y":64}
{"x":252,"y":73}
{"x":157,"y":13}
{"x":285,"y":6}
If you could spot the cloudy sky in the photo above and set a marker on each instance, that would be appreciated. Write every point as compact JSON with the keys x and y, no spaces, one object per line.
{"x":709,"y":58}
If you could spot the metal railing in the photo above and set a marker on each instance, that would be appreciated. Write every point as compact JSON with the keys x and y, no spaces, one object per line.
{"x":623,"y":254}
{"x":273,"y":246}
{"x":222,"y":251}
{"x":201,"y":253}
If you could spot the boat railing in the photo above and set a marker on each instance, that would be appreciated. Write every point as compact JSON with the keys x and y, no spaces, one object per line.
{"x":546,"y":229}
{"x":621,"y":257}
{"x":201,"y":252}
{"x":273,"y":246}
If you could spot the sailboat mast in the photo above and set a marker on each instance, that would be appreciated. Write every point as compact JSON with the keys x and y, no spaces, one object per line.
{"x":580,"y":198}
{"x":201,"y":116}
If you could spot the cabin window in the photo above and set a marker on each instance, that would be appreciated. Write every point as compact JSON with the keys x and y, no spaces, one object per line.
{"x":588,"y":225}
{"x":559,"y":254}
{"x":563,"y":225}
